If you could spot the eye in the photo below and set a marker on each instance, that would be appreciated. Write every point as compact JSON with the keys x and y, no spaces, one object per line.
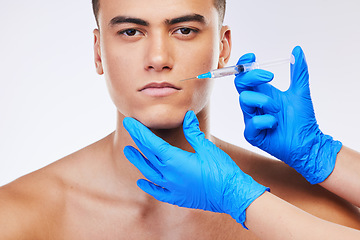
{"x":130,"y":32}
{"x":186,"y":32}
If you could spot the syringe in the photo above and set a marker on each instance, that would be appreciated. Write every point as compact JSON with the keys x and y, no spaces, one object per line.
{"x":227,"y":71}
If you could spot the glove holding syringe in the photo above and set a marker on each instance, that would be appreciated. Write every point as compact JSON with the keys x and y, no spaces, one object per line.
{"x":240,"y":68}
{"x":283,"y":123}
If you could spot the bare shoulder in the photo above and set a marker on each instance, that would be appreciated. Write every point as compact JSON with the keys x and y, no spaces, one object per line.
{"x":26,"y":204}
{"x":32,"y":206}
{"x":289,"y":185}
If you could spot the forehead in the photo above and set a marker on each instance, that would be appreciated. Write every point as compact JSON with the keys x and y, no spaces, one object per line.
{"x":156,"y":10}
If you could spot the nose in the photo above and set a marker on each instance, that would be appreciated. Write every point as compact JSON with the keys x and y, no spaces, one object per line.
{"x":158,"y":53}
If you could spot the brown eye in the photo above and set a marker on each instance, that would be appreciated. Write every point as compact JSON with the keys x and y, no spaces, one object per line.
{"x":130,"y":32}
{"x":185,"y":31}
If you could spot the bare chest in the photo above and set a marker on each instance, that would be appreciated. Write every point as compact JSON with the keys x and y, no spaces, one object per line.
{"x":130,"y":222}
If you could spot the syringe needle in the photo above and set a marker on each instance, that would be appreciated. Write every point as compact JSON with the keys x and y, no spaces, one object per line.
{"x":188,"y":79}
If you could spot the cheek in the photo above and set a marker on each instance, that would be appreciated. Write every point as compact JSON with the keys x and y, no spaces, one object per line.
{"x":201,"y":59}
{"x":121,"y":82}
{"x":115,"y":62}
{"x":200,"y":94}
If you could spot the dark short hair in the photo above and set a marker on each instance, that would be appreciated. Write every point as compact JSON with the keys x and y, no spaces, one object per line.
{"x":220,"y":5}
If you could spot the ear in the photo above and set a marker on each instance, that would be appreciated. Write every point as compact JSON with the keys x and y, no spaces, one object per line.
{"x":225,"y":46}
{"x":97,"y":52}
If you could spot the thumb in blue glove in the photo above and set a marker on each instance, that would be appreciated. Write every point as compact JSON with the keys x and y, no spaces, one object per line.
{"x":249,"y":80}
{"x":284,"y":124}
{"x":207,"y":179}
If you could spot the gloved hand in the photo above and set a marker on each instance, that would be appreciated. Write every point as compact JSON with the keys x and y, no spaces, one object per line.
{"x":207,"y":179}
{"x":283,"y":123}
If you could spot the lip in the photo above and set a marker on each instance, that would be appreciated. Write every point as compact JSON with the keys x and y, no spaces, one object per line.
{"x":159,"y":89}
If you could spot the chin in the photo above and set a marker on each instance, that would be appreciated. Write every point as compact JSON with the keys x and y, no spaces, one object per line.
{"x":161,"y":118}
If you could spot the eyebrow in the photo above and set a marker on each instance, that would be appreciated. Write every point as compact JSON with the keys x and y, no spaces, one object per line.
{"x":121,"y":19}
{"x":186,"y":18}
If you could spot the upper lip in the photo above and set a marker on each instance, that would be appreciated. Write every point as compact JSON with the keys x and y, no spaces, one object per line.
{"x":160,"y":85}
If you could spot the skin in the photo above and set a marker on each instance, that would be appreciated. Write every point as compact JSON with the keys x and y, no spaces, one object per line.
{"x":275,"y":224}
{"x":92,"y":193}
{"x":345,"y":173}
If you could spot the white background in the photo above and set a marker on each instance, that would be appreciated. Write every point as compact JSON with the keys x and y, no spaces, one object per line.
{"x":52,"y":102}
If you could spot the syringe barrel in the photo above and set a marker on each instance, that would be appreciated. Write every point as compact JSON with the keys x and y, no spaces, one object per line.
{"x":246,"y":67}
{"x":222,"y":72}
{"x":227,"y":71}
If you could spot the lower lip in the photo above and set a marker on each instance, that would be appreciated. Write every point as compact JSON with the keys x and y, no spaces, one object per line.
{"x":159,"y":92}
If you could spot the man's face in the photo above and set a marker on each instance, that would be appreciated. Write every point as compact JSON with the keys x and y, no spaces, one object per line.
{"x":144,"y":47}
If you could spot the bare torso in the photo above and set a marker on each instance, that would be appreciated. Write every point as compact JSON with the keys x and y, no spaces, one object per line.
{"x":82,"y":197}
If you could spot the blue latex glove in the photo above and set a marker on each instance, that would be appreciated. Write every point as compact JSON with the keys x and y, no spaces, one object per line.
{"x":283,"y":123}
{"x":207,"y":179}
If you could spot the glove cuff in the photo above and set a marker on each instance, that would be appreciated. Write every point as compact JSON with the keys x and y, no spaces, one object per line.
{"x":322,"y":159}
{"x":241,"y":198}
